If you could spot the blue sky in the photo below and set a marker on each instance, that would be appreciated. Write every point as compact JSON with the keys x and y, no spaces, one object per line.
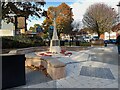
{"x":46,"y":6}
{"x":79,"y":8}
{"x":56,"y":3}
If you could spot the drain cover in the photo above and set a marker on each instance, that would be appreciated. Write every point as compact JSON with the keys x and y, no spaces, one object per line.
{"x":96,"y":72}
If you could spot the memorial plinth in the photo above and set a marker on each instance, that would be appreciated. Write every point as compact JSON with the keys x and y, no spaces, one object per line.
{"x":55,"y":42}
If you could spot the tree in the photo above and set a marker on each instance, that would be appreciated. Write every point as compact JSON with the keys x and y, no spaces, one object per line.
{"x":87,"y":30}
{"x":32,"y":29}
{"x":36,"y":28}
{"x":99,"y":17}
{"x":63,"y":18}
{"x":46,"y":24}
{"x":21,"y":9}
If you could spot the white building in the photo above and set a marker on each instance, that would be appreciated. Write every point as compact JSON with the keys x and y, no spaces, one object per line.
{"x":65,"y":37}
{"x":7,"y":29}
{"x":111,"y":35}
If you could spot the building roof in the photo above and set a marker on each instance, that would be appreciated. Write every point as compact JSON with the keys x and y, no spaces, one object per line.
{"x":116,"y":27}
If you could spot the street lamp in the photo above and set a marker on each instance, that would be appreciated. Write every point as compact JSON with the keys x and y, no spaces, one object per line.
{"x":70,"y":24}
{"x":70,"y":18}
{"x":70,"y":14}
{"x":118,"y":14}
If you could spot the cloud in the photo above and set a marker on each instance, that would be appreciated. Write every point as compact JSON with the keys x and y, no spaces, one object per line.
{"x":80,"y":6}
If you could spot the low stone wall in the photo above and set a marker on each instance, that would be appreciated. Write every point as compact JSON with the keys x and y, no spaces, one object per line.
{"x":28,"y":50}
{"x":97,"y":43}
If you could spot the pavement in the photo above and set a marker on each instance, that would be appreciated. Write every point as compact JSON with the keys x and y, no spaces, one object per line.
{"x":96,"y":67}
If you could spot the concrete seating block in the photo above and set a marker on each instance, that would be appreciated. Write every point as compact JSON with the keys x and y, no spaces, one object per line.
{"x":56,"y":73}
{"x":56,"y":69}
{"x":55,"y":63}
{"x":33,"y":61}
{"x":44,"y":60}
{"x":44,"y":63}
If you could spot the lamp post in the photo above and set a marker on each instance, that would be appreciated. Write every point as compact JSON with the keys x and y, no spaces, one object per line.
{"x":118,"y":14}
{"x":118,"y":11}
{"x":70,"y":25}
{"x":70,"y":15}
{"x":109,"y":32}
{"x":0,"y":15}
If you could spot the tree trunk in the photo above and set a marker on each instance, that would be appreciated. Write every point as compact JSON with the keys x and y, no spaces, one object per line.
{"x":98,"y":35}
{"x":98,"y":32}
{"x":97,"y":29}
{"x":16,"y":25}
{"x":109,"y":35}
{"x":25,"y":24}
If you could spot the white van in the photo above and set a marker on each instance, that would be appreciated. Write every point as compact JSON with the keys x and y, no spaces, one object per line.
{"x":87,"y":39}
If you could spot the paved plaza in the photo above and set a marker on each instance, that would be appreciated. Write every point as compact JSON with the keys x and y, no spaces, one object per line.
{"x":96,"y":67}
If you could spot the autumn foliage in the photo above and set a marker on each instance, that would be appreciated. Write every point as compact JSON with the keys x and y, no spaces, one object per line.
{"x":63,"y":18}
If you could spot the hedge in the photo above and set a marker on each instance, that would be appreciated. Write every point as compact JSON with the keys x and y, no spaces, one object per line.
{"x":85,"y":44}
{"x":21,"y":41}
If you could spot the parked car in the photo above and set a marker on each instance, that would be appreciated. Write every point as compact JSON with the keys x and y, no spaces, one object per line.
{"x":107,"y":41}
{"x":95,"y":38}
{"x":87,"y":39}
{"x":112,"y":41}
{"x":80,"y":38}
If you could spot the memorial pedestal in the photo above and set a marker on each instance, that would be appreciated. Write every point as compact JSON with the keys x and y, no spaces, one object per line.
{"x":55,"y":46}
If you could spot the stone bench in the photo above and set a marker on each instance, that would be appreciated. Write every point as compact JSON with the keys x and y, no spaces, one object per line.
{"x":54,"y":67}
{"x":33,"y":61}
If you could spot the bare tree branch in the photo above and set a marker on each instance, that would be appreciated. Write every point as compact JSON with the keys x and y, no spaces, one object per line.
{"x":100,"y":18}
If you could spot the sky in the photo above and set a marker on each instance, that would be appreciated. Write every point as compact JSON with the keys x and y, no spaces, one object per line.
{"x":78,"y":8}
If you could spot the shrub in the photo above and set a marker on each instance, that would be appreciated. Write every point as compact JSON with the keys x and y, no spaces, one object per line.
{"x":85,"y":44}
{"x":21,"y":41}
